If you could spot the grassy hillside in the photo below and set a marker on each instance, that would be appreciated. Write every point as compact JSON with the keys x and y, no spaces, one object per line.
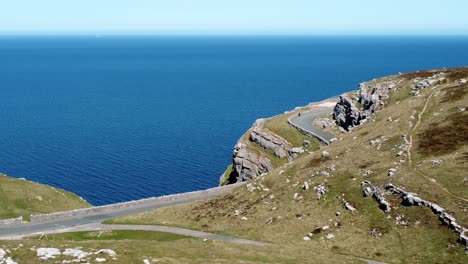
{"x":20,"y":197}
{"x":162,"y":248}
{"x":278,"y":126}
{"x":423,"y":137}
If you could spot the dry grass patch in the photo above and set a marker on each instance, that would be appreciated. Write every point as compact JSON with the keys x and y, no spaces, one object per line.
{"x":437,"y":139}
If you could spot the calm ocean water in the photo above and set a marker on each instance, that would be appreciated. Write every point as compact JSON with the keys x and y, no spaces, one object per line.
{"x":120,"y":118}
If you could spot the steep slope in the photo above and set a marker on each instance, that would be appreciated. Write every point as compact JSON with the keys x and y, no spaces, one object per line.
{"x":21,"y":198}
{"x":392,"y":188}
{"x":269,"y":144}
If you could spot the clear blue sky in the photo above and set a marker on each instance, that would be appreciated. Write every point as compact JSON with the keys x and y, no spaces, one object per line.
{"x":235,"y":16}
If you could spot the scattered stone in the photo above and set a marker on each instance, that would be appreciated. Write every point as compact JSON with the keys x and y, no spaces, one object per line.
{"x":391,"y":172}
{"x":244,"y":218}
{"x":111,"y":253}
{"x":237,"y":212}
{"x":330,"y":236}
{"x":325,"y":154}
{"x":100,"y":260}
{"x":298,"y":198}
{"x":306,"y":238}
{"x":436,"y":162}
{"x":367,"y":173}
{"x":348,"y":206}
{"x":325,"y":228}
{"x":306,"y":143}
{"x":375,"y":233}
{"x":324,"y":173}
{"x":337,"y":213}
{"x":76,"y":253}
{"x":323,"y":122}
{"x":145,"y":261}
{"x":377,"y":194}
{"x":320,"y":190}
{"x":332,"y":167}
{"x":251,"y":187}
{"x":298,"y":150}
{"x":269,"y":220}
{"x":305,"y":186}
{"x":411,"y":199}
{"x":47,"y":253}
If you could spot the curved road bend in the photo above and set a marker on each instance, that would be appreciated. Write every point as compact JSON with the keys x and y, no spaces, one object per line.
{"x":305,"y":121}
{"x":166,"y":229}
{"x":19,"y":230}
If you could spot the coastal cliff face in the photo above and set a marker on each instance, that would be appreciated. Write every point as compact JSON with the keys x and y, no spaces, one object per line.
{"x":250,"y":156}
{"x":260,"y":150}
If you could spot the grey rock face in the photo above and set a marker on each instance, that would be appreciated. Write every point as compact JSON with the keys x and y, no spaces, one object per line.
{"x":370,"y":96}
{"x":269,"y":141}
{"x":248,"y":165}
{"x":346,"y":114}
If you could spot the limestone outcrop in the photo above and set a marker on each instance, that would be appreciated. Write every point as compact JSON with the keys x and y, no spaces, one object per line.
{"x":351,"y":112}
{"x":269,"y":141}
{"x":249,"y":163}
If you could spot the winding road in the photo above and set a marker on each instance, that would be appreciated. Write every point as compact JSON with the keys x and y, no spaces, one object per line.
{"x":304,"y":121}
{"x":83,"y":222}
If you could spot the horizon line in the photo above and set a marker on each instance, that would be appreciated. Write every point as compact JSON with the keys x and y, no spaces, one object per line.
{"x":149,"y":34}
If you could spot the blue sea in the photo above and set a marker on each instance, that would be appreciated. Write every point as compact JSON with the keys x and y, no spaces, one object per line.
{"x":120,"y":118}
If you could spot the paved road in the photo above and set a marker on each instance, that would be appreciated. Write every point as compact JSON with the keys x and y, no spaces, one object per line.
{"x":305,"y":121}
{"x":166,"y":229}
{"x":11,"y":231}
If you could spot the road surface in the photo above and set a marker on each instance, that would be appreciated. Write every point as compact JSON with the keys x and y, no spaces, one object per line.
{"x":18,"y":230}
{"x":304,"y":121}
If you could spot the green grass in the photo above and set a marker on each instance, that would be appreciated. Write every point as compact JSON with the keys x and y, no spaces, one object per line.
{"x":23,"y":198}
{"x":224,"y":180}
{"x":115,"y":235}
{"x":279,"y":125}
{"x":177,"y":251}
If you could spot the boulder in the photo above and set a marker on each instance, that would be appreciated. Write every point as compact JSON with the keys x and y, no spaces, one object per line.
{"x":346,"y":114}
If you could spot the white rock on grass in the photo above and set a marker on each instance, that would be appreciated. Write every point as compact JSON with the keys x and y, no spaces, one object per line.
{"x":10,"y":261}
{"x":76,"y":253}
{"x":100,"y":259}
{"x":109,"y":252}
{"x":145,"y":261}
{"x":47,"y":253}
{"x":330,"y":236}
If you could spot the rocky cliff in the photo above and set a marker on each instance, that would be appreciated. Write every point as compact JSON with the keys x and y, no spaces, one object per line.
{"x":350,"y":112}
{"x":257,"y":152}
